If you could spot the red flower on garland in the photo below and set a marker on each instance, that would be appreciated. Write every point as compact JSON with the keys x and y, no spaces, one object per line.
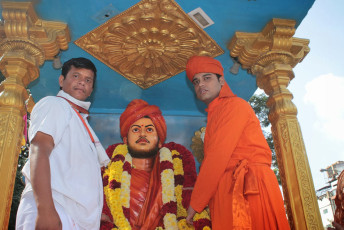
{"x":170,"y":207}
{"x":127,"y":167}
{"x":105,"y":181}
{"x":118,"y":158}
{"x":178,"y":180}
{"x":165,"y":165}
{"x":114,"y":184}
{"x":199,"y":224}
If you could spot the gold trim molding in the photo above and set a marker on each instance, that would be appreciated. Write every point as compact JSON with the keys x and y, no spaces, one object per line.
{"x":149,"y":43}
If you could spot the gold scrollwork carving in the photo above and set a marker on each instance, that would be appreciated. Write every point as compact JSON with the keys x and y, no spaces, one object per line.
{"x":303,"y":174}
{"x":197,"y":145}
{"x":23,"y":50}
{"x":30,"y":103}
{"x":23,"y":29}
{"x":282,"y":175}
{"x":3,"y":118}
{"x":149,"y":43}
{"x":274,"y":44}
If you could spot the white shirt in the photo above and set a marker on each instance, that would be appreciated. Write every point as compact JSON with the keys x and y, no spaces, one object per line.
{"x":75,"y":169}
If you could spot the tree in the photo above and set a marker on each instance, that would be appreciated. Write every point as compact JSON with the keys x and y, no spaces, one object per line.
{"x":258,"y":103}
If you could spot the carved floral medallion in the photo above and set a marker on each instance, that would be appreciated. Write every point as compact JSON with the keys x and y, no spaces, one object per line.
{"x":149,"y":43}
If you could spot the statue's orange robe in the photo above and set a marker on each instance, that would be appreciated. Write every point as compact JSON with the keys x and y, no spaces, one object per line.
{"x":145,"y":195}
{"x":235,"y":178}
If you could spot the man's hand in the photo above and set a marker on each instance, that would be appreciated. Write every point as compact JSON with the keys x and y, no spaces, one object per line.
{"x":48,"y":220}
{"x":191,"y":214}
{"x":336,"y":226}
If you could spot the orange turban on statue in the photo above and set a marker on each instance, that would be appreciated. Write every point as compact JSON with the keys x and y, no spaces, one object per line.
{"x":202,"y":64}
{"x":138,"y":109}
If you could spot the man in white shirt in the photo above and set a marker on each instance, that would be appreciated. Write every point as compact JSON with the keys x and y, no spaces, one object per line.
{"x":63,"y":179}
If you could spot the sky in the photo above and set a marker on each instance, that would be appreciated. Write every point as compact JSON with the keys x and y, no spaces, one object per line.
{"x":318,"y":87}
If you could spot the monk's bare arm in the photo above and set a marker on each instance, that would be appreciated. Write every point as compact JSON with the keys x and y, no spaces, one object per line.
{"x":41,"y":147}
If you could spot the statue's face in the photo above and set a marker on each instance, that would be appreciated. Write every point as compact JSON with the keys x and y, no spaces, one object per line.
{"x":142,"y":139}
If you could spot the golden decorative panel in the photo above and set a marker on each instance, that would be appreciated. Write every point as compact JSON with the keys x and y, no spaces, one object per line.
{"x":149,"y":43}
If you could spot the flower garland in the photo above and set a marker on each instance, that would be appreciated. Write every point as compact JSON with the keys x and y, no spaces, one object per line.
{"x":117,"y":177}
{"x":117,"y":193}
{"x":180,"y":161}
{"x":169,"y":206}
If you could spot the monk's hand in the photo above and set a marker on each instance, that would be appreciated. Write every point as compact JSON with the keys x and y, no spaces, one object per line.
{"x":191,"y":213}
{"x":336,"y":226}
{"x":105,"y":218}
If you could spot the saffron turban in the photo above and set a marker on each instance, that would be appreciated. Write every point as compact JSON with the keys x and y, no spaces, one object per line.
{"x":138,"y":109}
{"x":202,"y":64}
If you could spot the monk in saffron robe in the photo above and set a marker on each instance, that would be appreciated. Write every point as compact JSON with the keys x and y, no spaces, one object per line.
{"x":148,"y":184}
{"x":235,"y":177}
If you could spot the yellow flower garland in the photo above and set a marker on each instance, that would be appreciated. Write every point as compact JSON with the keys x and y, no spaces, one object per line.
{"x":116,"y":198}
{"x":120,"y":197}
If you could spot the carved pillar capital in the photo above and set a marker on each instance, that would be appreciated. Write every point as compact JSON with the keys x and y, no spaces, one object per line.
{"x":22,"y":28}
{"x":16,"y":68}
{"x":271,"y":55}
{"x":274,"y":44}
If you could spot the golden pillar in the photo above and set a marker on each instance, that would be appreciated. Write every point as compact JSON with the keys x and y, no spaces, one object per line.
{"x":25,"y":43}
{"x":271,"y":56}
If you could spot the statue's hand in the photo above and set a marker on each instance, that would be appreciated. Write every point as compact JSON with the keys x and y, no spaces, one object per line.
{"x":105,"y":218}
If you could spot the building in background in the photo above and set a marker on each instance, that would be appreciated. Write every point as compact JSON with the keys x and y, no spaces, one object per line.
{"x":327,"y":194}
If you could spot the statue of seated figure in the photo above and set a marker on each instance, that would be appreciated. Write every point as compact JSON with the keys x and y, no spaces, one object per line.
{"x":148,"y":184}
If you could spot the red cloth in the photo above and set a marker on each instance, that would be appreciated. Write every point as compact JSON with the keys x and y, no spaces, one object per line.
{"x":146,"y":198}
{"x":138,"y":109}
{"x":235,"y":178}
{"x":138,"y":191}
{"x":202,"y":64}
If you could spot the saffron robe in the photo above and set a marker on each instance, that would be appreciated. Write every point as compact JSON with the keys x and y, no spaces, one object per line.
{"x":145,"y":196}
{"x":235,"y":178}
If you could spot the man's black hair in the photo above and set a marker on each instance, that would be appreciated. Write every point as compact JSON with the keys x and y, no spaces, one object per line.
{"x":80,"y":63}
